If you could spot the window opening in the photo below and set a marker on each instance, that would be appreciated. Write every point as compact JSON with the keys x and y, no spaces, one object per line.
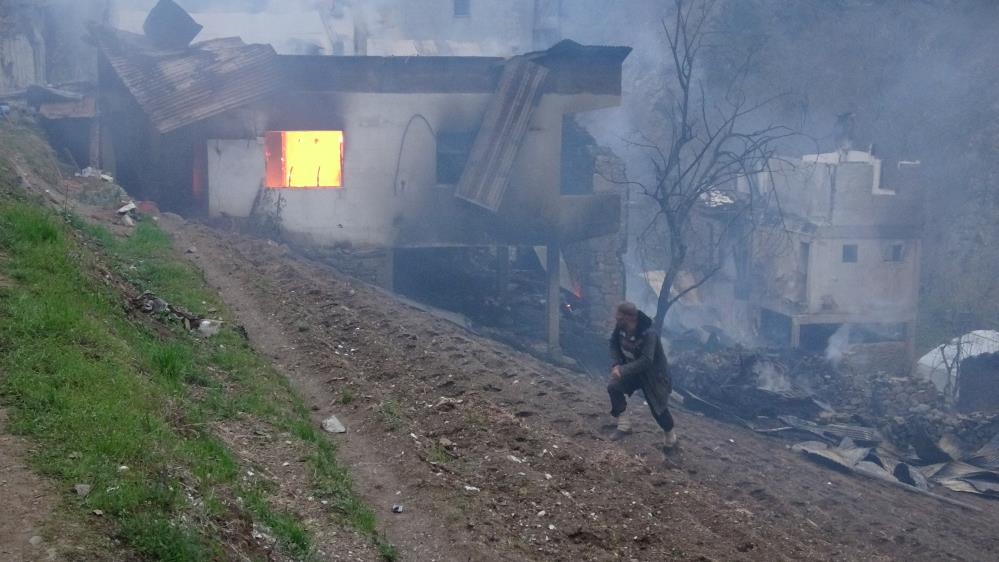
{"x":304,"y":159}
{"x":849,"y":253}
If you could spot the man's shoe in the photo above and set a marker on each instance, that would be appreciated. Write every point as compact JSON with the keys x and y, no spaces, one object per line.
{"x":619,"y":435}
{"x":669,"y":441}
{"x":623,"y":428}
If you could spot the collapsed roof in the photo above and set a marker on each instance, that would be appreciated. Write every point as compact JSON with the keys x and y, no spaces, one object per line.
{"x":176,"y":83}
{"x":177,"y":88}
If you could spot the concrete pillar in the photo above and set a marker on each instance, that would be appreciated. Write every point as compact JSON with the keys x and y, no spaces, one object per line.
{"x":386,"y":270}
{"x":554,"y":298}
{"x":94,"y":145}
{"x":910,"y":345}
{"x":795,"y":333}
{"x":502,"y":272}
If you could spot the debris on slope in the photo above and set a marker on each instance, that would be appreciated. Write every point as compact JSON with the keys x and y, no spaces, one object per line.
{"x":806,"y":397}
{"x":149,"y":303}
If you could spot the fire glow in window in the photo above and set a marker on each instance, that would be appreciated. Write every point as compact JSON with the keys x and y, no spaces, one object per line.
{"x":304,"y":159}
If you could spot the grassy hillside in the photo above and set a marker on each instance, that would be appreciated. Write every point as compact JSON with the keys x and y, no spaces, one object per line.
{"x":127,"y":404}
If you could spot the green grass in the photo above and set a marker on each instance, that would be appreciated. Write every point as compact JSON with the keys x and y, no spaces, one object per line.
{"x":346,"y":396}
{"x":94,"y":390}
{"x":391,"y":415}
{"x":97,"y":390}
{"x":439,"y":455}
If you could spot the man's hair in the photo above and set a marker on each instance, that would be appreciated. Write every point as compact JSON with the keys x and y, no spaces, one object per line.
{"x":628,"y":309}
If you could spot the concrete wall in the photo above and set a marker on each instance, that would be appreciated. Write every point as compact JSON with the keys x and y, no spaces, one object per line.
{"x":235,"y":176}
{"x":366,"y":210}
{"x":871,"y":288}
{"x":390,"y":194}
{"x":597,"y":265}
{"x":844,"y":193}
{"x":837,"y":199}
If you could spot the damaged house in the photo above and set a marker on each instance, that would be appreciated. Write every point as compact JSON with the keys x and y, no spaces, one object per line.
{"x":375,"y":153}
{"x":850,"y":263}
{"x":840,"y":264}
{"x":827,"y":258}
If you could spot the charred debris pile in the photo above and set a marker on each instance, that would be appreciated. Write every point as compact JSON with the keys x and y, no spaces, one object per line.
{"x":896,"y":428}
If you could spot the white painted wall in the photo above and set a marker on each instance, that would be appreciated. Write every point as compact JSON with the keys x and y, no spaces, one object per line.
{"x":870,"y":287}
{"x":390,"y":180}
{"x":235,"y":176}
{"x":365,"y":210}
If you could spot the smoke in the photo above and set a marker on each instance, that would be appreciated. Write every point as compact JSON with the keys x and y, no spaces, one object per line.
{"x":839,"y":344}
{"x":772,"y":376}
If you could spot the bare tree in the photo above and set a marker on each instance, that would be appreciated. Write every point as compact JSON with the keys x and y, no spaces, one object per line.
{"x":707,"y":151}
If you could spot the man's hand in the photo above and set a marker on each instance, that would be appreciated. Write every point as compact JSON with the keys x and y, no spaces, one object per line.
{"x":616,"y":372}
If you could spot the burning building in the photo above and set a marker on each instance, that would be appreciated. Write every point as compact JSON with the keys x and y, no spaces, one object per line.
{"x":851,"y":260}
{"x":835,"y":262}
{"x":359,"y":151}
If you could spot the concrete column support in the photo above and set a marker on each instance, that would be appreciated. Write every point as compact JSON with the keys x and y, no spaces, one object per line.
{"x":554,"y":298}
{"x":502,"y":272}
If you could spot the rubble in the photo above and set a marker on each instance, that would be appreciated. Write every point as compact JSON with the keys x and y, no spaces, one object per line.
{"x":874,"y":463}
{"x":149,"y":303}
{"x":807,"y":397}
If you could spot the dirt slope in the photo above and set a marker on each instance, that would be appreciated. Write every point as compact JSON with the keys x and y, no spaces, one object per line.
{"x":497,"y":456}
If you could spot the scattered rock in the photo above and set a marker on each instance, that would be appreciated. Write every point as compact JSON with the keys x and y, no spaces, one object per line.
{"x":446,"y":403}
{"x":333,"y":425}
{"x":192,"y":250}
{"x":128,"y":208}
{"x":471,"y":488}
{"x":82,"y":489}
{"x":35,"y":540}
{"x":209,"y":328}
{"x":397,"y":508}
{"x":446,"y":443}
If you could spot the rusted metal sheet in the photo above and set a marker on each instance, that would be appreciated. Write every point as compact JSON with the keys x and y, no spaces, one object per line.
{"x":487,"y":174}
{"x":178,"y":88}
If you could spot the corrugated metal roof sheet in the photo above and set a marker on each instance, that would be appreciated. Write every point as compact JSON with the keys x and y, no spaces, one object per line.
{"x":177,"y":88}
{"x":487,"y":174}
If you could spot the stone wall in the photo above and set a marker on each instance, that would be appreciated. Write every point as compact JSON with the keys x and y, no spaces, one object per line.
{"x":597,"y":264}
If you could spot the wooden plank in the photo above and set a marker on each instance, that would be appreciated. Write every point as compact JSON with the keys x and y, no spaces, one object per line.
{"x":487,"y":174}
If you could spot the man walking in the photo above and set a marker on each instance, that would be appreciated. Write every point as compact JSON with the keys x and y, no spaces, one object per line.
{"x":639,"y":363}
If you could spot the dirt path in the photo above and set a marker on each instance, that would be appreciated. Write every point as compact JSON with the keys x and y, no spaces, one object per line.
{"x":32,"y":527}
{"x":497,"y":456}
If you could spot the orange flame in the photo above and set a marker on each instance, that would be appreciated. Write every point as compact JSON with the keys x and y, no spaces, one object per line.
{"x":304,"y":158}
